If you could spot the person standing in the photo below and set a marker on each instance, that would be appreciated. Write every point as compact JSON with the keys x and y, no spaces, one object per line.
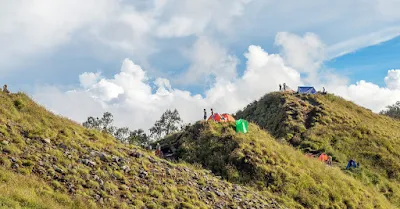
{"x":5,"y":89}
{"x":205,"y":114}
{"x":284,"y":86}
{"x":280,"y":87}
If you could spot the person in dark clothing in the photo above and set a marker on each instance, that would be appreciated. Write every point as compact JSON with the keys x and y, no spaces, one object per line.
{"x":284,"y":86}
{"x":205,"y":114}
{"x":351,"y":163}
{"x":5,"y":89}
{"x":280,"y":87}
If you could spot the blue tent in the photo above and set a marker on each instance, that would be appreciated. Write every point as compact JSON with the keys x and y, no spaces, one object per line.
{"x":306,"y":90}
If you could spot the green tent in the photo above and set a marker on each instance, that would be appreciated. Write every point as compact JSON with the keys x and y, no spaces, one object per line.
{"x":242,"y":126}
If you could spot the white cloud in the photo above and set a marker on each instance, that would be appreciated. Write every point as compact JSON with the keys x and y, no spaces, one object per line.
{"x":392,"y":80}
{"x":368,"y":95}
{"x":130,"y":97}
{"x":88,"y":79}
{"x":28,"y":28}
{"x":305,"y":54}
{"x":208,"y":58}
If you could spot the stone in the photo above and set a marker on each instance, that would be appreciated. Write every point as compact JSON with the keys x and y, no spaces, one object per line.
{"x":115,"y":159}
{"x":63,"y":146}
{"x":103,"y":156}
{"x":143,"y":174}
{"x":97,"y":197}
{"x":125,"y":168}
{"x":88,"y":162}
{"x":136,"y":154}
{"x":15,"y":165}
{"x":47,"y":140}
{"x":124,"y":187}
{"x":58,"y":170}
{"x":221,"y":194}
{"x":4,"y":142}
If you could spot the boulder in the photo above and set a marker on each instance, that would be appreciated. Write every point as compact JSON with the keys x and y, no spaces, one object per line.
{"x":46,"y":140}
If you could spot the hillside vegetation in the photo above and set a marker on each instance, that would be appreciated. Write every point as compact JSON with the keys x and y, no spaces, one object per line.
{"x":256,"y":159}
{"x":327,"y":123}
{"x":50,"y":162}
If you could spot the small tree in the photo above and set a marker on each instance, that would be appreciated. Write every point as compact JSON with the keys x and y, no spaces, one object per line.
{"x":138,"y":137}
{"x":392,"y":111}
{"x":122,"y":134}
{"x":168,"y":123}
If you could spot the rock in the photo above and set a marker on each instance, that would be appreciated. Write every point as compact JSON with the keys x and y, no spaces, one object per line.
{"x":88,"y":162}
{"x":97,"y":197}
{"x":125,"y":168}
{"x":103,"y":156}
{"x":168,"y":172}
{"x":143,"y":174}
{"x":63,"y":146}
{"x":4,"y":142}
{"x":58,"y":170}
{"x":116,"y":159}
{"x":151,"y":159}
{"x":15,"y":166}
{"x":136,"y":154}
{"x":46,"y":140}
{"x":124,"y":187}
{"x":13,"y":160}
{"x":221,"y":194}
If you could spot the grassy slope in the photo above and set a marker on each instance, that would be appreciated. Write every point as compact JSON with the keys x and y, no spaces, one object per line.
{"x":327,"y":123}
{"x":20,"y":191}
{"x":257,"y":159}
{"x":92,"y":167}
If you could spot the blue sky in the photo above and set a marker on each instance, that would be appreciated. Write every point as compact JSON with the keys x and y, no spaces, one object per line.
{"x":369,"y":63}
{"x":139,"y":58}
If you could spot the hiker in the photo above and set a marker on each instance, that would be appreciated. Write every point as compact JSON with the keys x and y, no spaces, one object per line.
{"x":284,"y":86}
{"x":329,"y":160}
{"x":205,"y":114}
{"x":351,"y":163}
{"x":280,"y":87}
{"x":158,"y":150}
{"x":5,"y":89}
{"x":212,"y":113}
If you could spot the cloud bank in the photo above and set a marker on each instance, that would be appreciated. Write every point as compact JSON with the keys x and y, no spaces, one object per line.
{"x":137,"y":101}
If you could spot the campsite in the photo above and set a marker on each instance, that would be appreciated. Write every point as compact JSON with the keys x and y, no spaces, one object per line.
{"x":210,"y":104}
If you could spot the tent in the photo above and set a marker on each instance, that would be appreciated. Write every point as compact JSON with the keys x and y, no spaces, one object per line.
{"x":228,"y":118}
{"x":323,"y":157}
{"x":242,"y":126}
{"x":222,"y":118}
{"x":216,"y":117}
{"x":306,"y":90}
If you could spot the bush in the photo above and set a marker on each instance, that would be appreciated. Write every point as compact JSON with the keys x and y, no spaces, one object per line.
{"x":18,"y":104}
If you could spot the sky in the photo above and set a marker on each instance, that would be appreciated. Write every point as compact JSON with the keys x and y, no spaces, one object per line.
{"x":137,"y":59}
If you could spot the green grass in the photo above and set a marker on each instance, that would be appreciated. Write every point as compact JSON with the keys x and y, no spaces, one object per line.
{"x":256,"y":159}
{"x":327,"y":123}
{"x":20,"y":191}
{"x":55,"y":175}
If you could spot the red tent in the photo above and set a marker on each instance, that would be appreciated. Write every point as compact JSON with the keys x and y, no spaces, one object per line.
{"x":222,"y":118}
{"x":323,"y":157}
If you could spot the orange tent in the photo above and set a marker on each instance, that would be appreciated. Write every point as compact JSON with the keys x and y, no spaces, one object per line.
{"x":323,"y":157}
{"x":228,"y":118}
{"x":222,"y":118}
